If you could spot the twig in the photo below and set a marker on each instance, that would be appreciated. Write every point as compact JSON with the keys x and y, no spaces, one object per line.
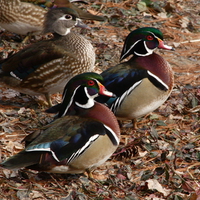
{"x":194,"y":165}
{"x":57,"y":183}
{"x":174,"y":171}
{"x":190,"y":41}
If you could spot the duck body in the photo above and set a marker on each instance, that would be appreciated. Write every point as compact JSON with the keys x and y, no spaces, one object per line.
{"x":82,"y":139}
{"x":142,"y":83}
{"x":135,"y":86}
{"x":45,"y":67}
{"x":21,"y":17}
{"x":70,"y":150}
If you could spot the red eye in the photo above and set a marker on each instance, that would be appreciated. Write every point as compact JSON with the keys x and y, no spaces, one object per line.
{"x":149,"y":37}
{"x":91,"y":82}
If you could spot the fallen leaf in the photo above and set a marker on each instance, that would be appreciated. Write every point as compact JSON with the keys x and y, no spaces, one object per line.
{"x":153,"y":184}
{"x":142,"y":6}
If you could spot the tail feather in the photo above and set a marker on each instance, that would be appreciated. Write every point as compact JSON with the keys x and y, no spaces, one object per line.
{"x":21,"y":160}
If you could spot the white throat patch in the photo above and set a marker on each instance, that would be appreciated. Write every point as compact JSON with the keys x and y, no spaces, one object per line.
{"x":90,"y":102}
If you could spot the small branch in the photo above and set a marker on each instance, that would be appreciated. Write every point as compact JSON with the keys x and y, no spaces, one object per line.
{"x":194,"y":165}
{"x":190,"y":41}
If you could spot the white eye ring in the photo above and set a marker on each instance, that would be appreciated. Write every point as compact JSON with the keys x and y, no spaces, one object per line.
{"x":68,"y":17}
{"x":65,"y":17}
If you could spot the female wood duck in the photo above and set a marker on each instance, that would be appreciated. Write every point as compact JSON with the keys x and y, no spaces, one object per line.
{"x":45,"y":66}
{"x":23,"y":18}
{"x":83,"y":139}
{"x":145,"y":81}
{"x":82,"y":14}
{"x":20,"y":17}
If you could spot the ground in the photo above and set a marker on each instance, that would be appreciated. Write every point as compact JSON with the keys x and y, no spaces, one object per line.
{"x":160,"y":159}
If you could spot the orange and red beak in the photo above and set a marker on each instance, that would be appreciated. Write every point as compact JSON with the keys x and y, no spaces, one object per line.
{"x":164,"y":46}
{"x":104,"y":91}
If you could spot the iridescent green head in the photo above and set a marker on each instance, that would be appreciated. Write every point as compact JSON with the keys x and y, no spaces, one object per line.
{"x":80,"y":92}
{"x":142,"y":42}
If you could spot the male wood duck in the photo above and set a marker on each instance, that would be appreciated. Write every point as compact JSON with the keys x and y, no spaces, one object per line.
{"x":142,"y":83}
{"x":83,"y":139}
{"x":44,"y":67}
{"x":23,"y":18}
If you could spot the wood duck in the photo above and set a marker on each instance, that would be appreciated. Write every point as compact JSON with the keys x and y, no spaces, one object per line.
{"x":83,"y":139}
{"x":45,"y":66}
{"x":23,"y":18}
{"x":82,"y":14}
{"x":142,"y":83}
{"x":42,"y":3}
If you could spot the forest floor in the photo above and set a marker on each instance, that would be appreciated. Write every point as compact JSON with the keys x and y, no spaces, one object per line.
{"x":161,"y":159}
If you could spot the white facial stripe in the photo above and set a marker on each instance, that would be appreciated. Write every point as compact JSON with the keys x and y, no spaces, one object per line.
{"x":158,"y":79}
{"x":90,"y":102}
{"x":82,"y":149}
{"x":152,"y":34}
{"x":127,"y":51}
{"x":149,"y":51}
{"x":70,"y":101}
{"x":63,"y":18}
{"x":166,"y":46}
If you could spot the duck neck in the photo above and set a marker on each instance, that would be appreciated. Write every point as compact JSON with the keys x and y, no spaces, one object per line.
{"x":155,"y":64}
{"x":80,"y":47}
{"x":103,"y":114}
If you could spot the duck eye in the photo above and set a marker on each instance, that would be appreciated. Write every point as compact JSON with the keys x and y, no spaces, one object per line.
{"x":90,"y":82}
{"x":68,"y":17}
{"x":149,"y":37}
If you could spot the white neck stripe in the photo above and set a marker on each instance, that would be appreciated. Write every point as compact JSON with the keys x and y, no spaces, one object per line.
{"x":149,"y":51}
{"x":90,"y":102}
